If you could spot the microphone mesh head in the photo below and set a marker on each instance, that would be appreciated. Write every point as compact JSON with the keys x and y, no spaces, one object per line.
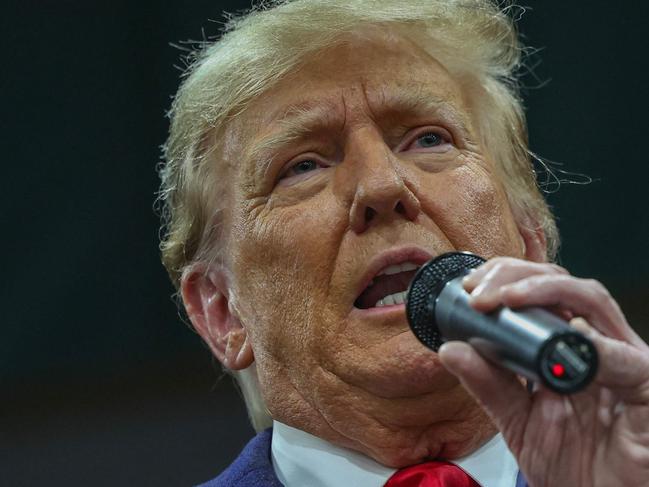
{"x":428,"y":282}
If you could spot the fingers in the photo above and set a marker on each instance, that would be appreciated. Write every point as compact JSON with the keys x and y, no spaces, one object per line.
{"x":485,"y":282}
{"x":496,"y":269}
{"x":516,"y":283}
{"x":583,"y":297}
{"x":498,"y":390}
{"x":622,"y":367}
{"x":624,"y":356}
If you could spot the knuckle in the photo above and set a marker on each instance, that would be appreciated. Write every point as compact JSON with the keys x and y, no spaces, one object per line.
{"x":544,"y":280}
{"x":598,"y":292}
{"x":558,"y":269}
{"x":512,"y":291}
{"x":563,"y":278}
{"x":597,"y":287}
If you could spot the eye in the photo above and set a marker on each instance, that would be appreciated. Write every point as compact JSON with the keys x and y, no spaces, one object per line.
{"x":303,"y":166}
{"x":429,"y":141}
{"x":300,"y":168}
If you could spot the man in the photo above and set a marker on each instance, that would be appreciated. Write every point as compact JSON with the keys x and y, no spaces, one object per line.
{"x":319,"y":153}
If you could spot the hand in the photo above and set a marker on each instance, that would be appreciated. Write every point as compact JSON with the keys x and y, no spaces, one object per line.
{"x":597,"y":437}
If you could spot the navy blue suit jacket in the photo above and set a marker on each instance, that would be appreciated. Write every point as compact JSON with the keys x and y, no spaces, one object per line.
{"x":254,"y":468}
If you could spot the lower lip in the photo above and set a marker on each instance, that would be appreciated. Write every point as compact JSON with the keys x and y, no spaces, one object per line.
{"x":381,"y":310}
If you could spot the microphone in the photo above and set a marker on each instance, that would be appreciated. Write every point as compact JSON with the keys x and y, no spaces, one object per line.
{"x":531,"y":341}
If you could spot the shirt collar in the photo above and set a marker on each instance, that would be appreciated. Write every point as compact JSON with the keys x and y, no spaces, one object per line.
{"x":300,"y":458}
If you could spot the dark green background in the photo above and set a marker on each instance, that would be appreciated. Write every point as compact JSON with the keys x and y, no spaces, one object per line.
{"x":101,"y":381}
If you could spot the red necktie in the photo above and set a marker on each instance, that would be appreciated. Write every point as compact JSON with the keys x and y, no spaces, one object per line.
{"x":431,"y":474}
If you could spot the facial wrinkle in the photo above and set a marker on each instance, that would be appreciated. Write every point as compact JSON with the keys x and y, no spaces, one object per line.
{"x":402,"y":103}
{"x":340,"y":232}
{"x":312,"y":328}
{"x":399,"y":402}
{"x":298,"y":122}
{"x":424,"y":433}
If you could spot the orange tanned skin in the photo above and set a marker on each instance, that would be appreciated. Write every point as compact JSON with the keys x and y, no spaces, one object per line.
{"x":364,"y":157}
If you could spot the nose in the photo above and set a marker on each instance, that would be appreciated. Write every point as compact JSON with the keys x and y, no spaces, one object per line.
{"x":381,"y":193}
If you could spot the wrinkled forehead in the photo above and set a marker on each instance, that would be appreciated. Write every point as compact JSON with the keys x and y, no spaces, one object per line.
{"x":367,"y":77}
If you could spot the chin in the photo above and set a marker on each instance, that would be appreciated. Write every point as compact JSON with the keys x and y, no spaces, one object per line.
{"x":431,"y":445}
{"x":446,"y":426}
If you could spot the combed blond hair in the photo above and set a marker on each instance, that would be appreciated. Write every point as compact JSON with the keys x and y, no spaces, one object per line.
{"x":475,"y":40}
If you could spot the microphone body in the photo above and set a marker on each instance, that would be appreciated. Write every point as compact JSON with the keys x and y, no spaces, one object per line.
{"x":531,"y":342}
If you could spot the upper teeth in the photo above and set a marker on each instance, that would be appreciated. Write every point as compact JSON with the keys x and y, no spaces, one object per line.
{"x":395,"y":269}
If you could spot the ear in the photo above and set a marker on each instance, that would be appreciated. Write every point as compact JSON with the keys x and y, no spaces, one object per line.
{"x":205,"y":294}
{"x":533,"y":242}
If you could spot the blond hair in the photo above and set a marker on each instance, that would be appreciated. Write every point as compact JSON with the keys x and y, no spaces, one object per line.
{"x":476,"y":41}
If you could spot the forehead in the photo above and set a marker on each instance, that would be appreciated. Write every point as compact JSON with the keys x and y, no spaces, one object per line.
{"x":359,"y":77}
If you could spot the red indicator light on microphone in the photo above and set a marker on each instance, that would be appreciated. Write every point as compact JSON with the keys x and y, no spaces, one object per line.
{"x":558,"y":370}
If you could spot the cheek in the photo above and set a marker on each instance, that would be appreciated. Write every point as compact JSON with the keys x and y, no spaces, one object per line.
{"x":473,"y":212}
{"x":283,"y":258}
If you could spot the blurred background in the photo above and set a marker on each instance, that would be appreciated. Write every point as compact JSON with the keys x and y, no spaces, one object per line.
{"x":101,"y":381}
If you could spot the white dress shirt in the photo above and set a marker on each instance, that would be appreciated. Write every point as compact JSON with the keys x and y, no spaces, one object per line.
{"x":303,"y":460}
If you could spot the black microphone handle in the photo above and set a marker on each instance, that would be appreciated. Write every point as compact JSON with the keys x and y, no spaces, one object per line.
{"x":531,"y":342}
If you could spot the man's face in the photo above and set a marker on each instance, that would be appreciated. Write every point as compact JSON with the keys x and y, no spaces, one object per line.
{"x":364,"y":162}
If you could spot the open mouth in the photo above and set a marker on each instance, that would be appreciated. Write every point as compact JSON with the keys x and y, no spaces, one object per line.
{"x":388,"y":287}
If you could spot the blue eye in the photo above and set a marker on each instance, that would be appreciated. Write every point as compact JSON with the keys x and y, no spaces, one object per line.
{"x":300,"y":168}
{"x":430,"y":139}
{"x":304,"y":166}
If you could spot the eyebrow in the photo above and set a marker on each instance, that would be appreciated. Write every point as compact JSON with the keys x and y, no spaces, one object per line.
{"x":302,"y":119}
{"x":294,"y":123}
{"x":420,"y":101}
